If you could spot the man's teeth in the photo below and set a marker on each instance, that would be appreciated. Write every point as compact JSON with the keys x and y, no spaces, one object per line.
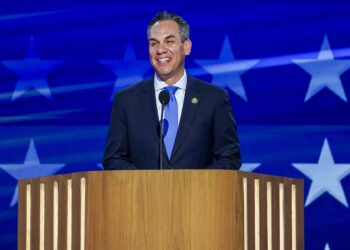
{"x":163,"y":60}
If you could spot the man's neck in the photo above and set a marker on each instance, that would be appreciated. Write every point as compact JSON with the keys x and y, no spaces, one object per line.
{"x":172,"y":80}
{"x":159,"y":83}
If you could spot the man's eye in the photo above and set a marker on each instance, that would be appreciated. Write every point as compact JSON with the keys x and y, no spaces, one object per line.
{"x":170,"y":41}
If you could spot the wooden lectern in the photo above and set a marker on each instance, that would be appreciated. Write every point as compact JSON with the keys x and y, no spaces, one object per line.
{"x":161,"y":210}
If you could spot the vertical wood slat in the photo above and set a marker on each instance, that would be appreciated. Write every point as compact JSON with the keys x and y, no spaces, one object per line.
{"x":245,"y":212}
{"x":251,"y":213}
{"x":269,"y":214}
{"x":21,"y":231}
{"x":28,"y":216}
{"x":239,"y":219}
{"x":35,"y":214}
{"x":62,"y":213}
{"x":76,"y":212}
{"x":281,"y":215}
{"x":49,"y":220}
{"x":69,"y":214}
{"x":275,"y":216}
{"x":300,"y":215}
{"x":42,"y":211}
{"x":287,"y":215}
{"x":55,"y":216}
{"x":263,"y":213}
{"x":257,"y":213}
{"x":294,"y":218}
{"x":83,"y":202}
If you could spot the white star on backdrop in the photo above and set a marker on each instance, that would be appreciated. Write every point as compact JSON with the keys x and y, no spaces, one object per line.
{"x":325,"y":176}
{"x":129,"y":70}
{"x":327,"y":247}
{"x":31,"y":72}
{"x":249,"y":167}
{"x":325,"y":72}
{"x":31,"y":168}
{"x":227,"y":71}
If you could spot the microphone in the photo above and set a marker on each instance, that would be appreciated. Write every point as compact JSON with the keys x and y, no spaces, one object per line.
{"x":164,"y":99}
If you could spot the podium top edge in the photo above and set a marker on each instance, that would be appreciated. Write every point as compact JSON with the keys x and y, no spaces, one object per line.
{"x":88,"y":174}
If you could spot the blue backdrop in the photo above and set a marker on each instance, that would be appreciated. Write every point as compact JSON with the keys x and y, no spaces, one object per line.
{"x":286,"y":66}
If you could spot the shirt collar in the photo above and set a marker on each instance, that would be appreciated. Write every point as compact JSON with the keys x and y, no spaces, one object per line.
{"x":181,"y":83}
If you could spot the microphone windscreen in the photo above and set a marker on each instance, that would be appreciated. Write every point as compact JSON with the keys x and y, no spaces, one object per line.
{"x":164,"y":97}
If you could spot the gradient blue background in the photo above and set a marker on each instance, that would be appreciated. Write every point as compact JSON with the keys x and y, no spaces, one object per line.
{"x":61,"y":62}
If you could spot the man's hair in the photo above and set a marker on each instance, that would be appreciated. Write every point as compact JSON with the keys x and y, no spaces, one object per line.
{"x":184,"y":28}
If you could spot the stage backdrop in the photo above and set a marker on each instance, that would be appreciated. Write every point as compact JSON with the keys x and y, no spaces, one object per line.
{"x":285,"y":65}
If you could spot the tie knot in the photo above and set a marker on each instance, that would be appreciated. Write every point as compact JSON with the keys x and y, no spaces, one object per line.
{"x":171,"y":90}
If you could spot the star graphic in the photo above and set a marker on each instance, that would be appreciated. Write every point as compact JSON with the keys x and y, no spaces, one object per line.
{"x":327,"y":247}
{"x":227,"y":71}
{"x":129,"y":70}
{"x":249,"y":167}
{"x":325,"y":175}
{"x":325,"y":72}
{"x":31,"y":168}
{"x":31,"y":72}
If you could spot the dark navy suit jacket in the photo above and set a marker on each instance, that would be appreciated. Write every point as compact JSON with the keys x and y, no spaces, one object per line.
{"x":206,"y":137}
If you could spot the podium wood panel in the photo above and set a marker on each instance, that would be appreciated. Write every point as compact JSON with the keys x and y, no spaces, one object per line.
{"x":161,"y":210}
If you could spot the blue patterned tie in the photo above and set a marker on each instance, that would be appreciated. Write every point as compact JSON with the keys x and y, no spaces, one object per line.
{"x":170,"y":121}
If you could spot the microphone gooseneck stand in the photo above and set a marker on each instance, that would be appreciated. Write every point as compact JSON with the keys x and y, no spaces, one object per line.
{"x":164,"y":100}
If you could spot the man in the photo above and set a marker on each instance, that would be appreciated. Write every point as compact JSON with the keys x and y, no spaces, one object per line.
{"x":200,"y":131}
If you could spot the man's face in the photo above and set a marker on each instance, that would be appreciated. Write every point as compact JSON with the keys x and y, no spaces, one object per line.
{"x":167,"y":52}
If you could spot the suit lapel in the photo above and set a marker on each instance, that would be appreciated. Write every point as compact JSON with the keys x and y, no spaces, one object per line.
{"x":189,"y":111}
{"x":149,"y":107}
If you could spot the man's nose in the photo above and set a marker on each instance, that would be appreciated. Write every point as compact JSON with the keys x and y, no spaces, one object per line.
{"x":161,"y":48}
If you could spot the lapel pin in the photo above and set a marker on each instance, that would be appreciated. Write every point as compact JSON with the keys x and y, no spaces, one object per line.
{"x":194,"y":100}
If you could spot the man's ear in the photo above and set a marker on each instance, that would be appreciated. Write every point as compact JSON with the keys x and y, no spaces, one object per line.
{"x":187,"y":46}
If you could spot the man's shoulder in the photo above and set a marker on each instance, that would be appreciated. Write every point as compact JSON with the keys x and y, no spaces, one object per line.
{"x":206,"y":86}
{"x":135,"y":88}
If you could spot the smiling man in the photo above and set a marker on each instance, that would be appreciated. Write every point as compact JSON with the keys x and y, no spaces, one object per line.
{"x":167,"y":50}
{"x":200,"y":130}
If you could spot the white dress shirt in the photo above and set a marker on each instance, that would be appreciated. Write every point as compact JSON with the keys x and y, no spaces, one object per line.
{"x":159,"y":85}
